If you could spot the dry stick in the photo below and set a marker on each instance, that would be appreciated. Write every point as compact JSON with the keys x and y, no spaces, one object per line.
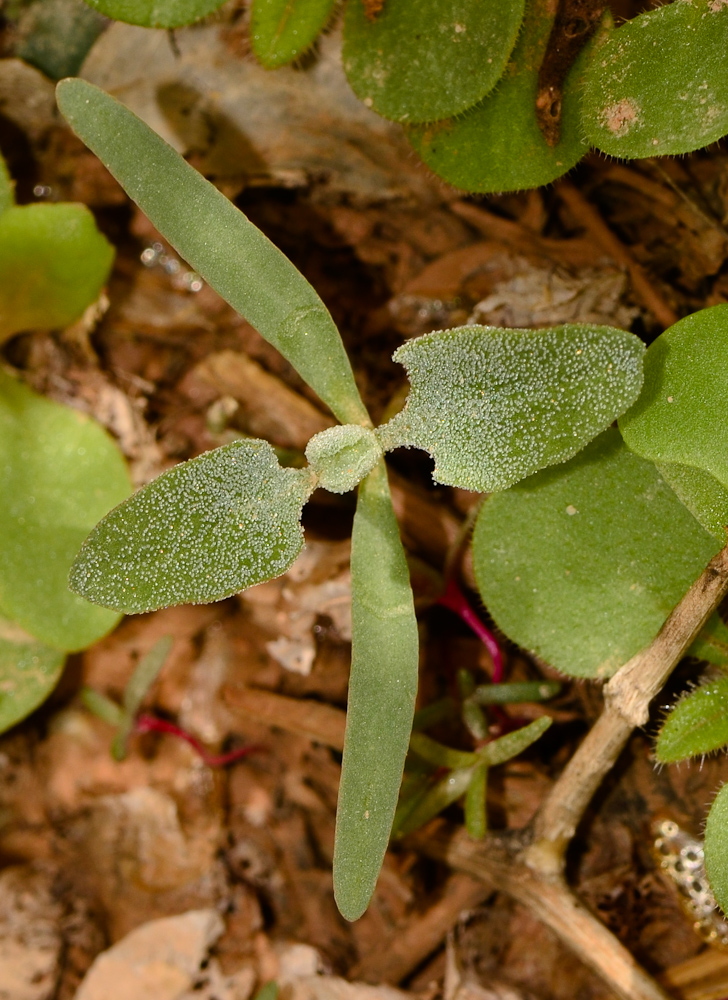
{"x":627,"y":698}
{"x":588,"y":215}
{"x":551,"y":901}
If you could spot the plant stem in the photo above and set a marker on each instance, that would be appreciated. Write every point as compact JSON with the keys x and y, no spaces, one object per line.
{"x":151,"y":724}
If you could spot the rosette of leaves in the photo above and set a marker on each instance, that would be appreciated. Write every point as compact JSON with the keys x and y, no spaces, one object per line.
{"x":60,"y":469}
{"x":490,"y":405}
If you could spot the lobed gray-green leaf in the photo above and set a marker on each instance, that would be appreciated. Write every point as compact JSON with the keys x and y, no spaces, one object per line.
{"x":581,"y":564}
{"x":659,"y":85}
{"x":494,"y":405}
{"x":417,"y":62}
{"x":382,"y":691}
{"x":203,"y":531}
{"x":212,"y":235}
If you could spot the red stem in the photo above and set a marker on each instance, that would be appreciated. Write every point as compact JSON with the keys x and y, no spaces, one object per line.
{"x":151,"y":724}
{"x":454,"y":599}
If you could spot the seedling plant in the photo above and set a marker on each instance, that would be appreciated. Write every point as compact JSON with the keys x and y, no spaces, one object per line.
{"x":556,"y":551}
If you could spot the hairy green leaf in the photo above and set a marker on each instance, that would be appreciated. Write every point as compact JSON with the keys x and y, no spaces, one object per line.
{"x":698,"y":724}
{"x":156,"y":13}
{"x":681,"y":417}
{"x":282,"y":30}
{"x":497,"y":145}
{"x":54,"y":263}
{"x":716,"y":848}
{"x":28,"y":673}
{"x":200,"y":532}
{"x":492,"y":406}
{"x":382,"y":690}
{"x":61,"y":472}
{"x":431,"y":59}
{"x":659,"y":84}
{"x":230,"y":253}
{"x":582,"y":564}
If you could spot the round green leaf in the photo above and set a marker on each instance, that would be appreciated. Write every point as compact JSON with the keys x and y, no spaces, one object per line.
{"x":60,"y":473}
{"x":417,"y":62}
{"x":682,"y":415}
{"x":582,"y":564}
{"x":702,"y":494}
{"x":282,"y":30}
{"x":55,"y":35}
{"x":698,"y":724}
{"x":716,"y":848}
{"x":54,"y":263}
{"x":493,"y":405}
{"x":156,"y":13}
{"x":28,"y":673}
{"x":497,"y":145}
{"x":202,"y":531}
{"x":659,"y":85}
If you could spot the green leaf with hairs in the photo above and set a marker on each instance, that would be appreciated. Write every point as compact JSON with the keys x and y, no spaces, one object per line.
{"x":217,"y":240}
{"x":716,"y":848}
{"x":200,"y":532}
{"x":382,"y":691}
{"x":417,"y":62}
{"x":581,"y":564}
{"x":681,"y":417}
{"x":282,"y":30}
{"x":61,"y":472}
{"x":696,"y":725}
{"x":497,"y":145}
{"x":156,"y":13}
{"x":54,"y":263}
{"x":659,"y":84}
{"x":29,"y":671}
{"x":492,"y":406}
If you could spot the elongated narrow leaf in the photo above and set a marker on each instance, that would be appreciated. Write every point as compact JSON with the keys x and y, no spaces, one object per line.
{"x":582,"y":563}
{"x":28,"y":673}
{"x":510,"y":745}
{"x":497,"y":144}
{"x":54,"y":262}
{"x":716,"y":848}
{"x":417,"y":62}
{"x":60,"y":473}
{"x":431,"y":803}
{"x":438,"y":754}
{"x":510,"y":694}
{"x":475,"y":815}
{"x":156,"y":13}
{"x":697,"y":725}
{"x":382,"y":691}
{"x":492,"y":406}
{"x":145,"y":674}
{"x":682,"y":416}
{"x":659,"y":85}
{"x":230,"y":253}
{"x":282,"y":30}
{"x":202,"y":531}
